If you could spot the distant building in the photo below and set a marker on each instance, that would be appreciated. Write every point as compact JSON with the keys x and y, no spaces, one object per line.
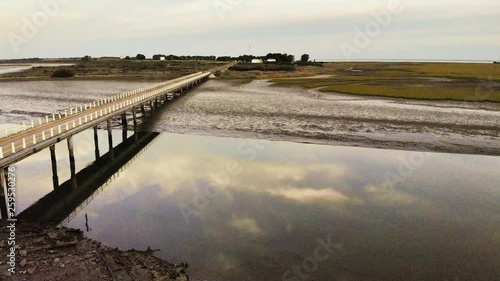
{"x":271,"y":60}
{"x":257,"y":61}
{"x":159,"y":57}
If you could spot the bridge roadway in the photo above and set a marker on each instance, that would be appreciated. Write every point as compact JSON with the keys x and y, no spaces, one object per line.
{"x":45,"y":132}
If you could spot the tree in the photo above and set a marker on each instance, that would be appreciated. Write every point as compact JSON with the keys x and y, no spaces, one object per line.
{"x":304,"y":58}
{"x":127,"y":58}
{"x":279,"y":57}
{"x":140,"y":57}
{"x":158,"y":57}
{"x":87,"y":58}
{"x":63,"y":73}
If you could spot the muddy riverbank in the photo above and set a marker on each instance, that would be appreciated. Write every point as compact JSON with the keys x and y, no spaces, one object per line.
{"x":64,"y":254}
{"x":257,"y":109}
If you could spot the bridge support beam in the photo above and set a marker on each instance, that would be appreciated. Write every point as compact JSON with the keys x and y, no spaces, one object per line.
{"x":53,"y":159}
{"x":72,"y":165}
{"x":96,"y":143}
{"x":110,"y":140}
{"x":3,"y":194}
{"x":124,"y":126}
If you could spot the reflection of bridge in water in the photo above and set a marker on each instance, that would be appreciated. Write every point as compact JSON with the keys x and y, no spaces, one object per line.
{"x":25,"y":141}
{"x":64,"y":203}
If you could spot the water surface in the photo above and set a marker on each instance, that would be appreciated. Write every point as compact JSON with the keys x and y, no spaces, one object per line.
{"x":10,"y":68}
{"x":241,"y":209}
{"x":392,"y":215}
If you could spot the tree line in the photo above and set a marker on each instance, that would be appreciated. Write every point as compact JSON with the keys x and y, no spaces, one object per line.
{"x":277,"y":57}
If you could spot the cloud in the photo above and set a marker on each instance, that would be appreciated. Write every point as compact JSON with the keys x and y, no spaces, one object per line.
{"x":308,"y":194}
{"x":152,"y":26}
{"x":246,"y":224}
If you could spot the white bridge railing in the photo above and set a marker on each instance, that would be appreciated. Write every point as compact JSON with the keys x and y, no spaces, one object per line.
{"x":49,"y":131}
{"x":15,"y":129}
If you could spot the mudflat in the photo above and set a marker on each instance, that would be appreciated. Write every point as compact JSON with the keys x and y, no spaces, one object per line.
{"x":263,"y":109}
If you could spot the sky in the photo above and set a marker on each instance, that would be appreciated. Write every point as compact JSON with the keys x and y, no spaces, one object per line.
{"x":325,"y":29}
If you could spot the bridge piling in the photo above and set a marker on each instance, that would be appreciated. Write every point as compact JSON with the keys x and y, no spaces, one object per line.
{"x":110,"y":139}
{"x":72,"y":165}
{"x":55,"y":178}
{"x":3,"y":193}
{"x":143,"y":111}
{"x":124,"y":126}
{"x":96,"y":143}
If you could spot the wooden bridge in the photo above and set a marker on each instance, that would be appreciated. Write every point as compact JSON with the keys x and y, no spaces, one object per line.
{"x":23,"y":141}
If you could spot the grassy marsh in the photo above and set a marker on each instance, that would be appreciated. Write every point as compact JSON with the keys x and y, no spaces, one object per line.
{"x":428,"y":81}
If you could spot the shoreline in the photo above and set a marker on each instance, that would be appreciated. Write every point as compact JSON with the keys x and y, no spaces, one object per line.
{"x":89,"y":78}
{"x":360,"y":142}
{"x":294,"y":114}
{"x":49,"y":253}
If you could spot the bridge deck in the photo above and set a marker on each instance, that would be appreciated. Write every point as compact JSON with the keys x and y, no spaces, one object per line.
{"x":57,"y":127}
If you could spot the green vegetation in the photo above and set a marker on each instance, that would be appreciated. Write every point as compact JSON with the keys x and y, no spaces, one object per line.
{"x":414,"y":92}
{"x":430,"y":81}
{"x":117,"y":69}
{"x":304,"y":58}
{"x":62,"y":73}
{"x":262,"y":67}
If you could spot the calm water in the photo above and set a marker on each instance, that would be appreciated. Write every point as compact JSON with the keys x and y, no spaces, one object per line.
{"x":9,"y":68}
{"x":240,"y":209}
{"x":268,"y":204}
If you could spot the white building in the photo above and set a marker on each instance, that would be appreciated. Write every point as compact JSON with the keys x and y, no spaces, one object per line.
{"x":257,"y":61}
{"x":271,"y":60}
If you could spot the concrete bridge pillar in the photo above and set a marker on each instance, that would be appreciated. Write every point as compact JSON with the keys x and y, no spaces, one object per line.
{"x":55,"y":178}
{"x":96,"y":143}
{"x":72,"y":165}
{"x":124,"y":126}
{"x":3,"y":194}
{"x":110,"y":139}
